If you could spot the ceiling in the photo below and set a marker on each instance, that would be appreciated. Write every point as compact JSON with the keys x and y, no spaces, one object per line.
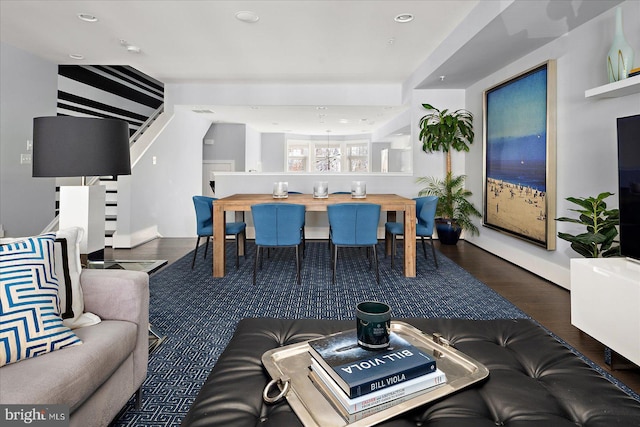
{"x":319,"y":42}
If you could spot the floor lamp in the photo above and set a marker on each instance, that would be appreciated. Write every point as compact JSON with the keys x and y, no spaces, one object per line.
{"x":65,"y":146}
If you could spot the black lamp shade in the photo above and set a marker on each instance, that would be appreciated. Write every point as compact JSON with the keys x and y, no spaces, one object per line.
{"x":65,"y":146}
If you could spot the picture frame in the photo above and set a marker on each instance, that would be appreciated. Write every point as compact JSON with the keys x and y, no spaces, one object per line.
{"x":519,"y":168}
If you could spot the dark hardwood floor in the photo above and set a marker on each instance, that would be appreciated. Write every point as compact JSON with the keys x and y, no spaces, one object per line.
{"x":544,"y":301}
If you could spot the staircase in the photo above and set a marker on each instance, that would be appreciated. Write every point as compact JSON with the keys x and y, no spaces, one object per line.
{"x":111,"y":208}
{"x":111,"y":182}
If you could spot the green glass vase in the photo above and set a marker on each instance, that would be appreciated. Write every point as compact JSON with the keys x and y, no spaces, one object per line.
{"x":620,"y":57}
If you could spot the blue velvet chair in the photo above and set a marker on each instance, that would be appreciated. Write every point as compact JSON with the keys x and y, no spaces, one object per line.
{"x":354,"y":225}
{"x":426,"y":213}
{"x":204,"y":221}
{"x":278,"y":225}
{"x":304,"y":239}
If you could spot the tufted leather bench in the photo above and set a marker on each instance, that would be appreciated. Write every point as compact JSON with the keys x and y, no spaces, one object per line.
{"x":534,"y":380}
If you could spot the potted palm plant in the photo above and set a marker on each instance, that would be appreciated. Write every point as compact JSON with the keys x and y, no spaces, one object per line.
{"x":444,"y":130}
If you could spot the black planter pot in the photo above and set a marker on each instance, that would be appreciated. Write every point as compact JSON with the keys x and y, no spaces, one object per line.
{"x":448,"y":233}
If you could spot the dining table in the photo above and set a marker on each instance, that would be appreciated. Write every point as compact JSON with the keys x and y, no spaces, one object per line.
{"x":390,"y":203}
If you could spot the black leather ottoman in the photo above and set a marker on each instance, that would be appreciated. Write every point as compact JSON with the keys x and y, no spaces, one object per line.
{"x":533,"y":381}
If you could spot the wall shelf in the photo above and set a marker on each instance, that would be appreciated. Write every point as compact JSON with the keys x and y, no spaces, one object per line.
{"x":616,"y":89}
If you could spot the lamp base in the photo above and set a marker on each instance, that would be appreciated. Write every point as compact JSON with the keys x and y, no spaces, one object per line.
{"x":84,"y":207}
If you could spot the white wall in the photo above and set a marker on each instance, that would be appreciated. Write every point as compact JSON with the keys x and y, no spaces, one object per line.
{"x":586,"y":134}
{"x":253,"y":150}
{"x":161,"y":192}
{"x":281,"y":94}
{"x":28,"y":85}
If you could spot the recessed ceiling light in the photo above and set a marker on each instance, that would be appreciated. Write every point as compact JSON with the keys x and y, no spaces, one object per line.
{"x":76,"y":56}
{"x":321,"y":107}
{"x":247,"y":16}
{"x":87,"y":17}
{"x":404,"y":18}
{"x":133,"y":49}
{"x":343,"y":121}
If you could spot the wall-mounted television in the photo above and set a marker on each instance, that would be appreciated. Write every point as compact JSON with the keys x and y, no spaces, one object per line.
{"x":629,"y":185}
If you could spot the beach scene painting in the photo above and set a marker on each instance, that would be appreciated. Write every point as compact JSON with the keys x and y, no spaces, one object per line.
{"x":516,"y":157}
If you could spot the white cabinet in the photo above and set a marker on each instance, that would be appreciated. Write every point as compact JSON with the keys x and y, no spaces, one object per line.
{"x":605,"y":302}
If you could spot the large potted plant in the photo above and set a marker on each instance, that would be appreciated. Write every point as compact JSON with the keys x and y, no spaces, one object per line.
{"x":444,"y":130}
{"x":599,"y":240}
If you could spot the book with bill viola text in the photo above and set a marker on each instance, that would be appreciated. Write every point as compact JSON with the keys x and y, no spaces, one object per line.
{"x":358,"y":371}
{"x":368,"y":401}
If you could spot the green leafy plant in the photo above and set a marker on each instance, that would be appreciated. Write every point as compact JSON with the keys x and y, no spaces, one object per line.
{"x":600,"y":222}
{"x":441,"y":130}
{"x":453,"y":204}
{"x":444,"y":130}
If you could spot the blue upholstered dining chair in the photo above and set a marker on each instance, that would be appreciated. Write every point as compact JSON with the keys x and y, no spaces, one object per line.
{"x":354,"y":225}
{"x":204,"y":221}
{"x":426,"y":213}
{"x":304,"y":238}
{"x":278,"y":225}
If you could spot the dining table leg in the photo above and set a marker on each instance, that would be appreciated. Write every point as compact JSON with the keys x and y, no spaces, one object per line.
{"x":218,"y":240}
{"x":410,"y":240}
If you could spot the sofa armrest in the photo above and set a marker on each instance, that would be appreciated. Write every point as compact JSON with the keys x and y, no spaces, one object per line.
{"x":121,"y":295}
{"x":116,"y":294}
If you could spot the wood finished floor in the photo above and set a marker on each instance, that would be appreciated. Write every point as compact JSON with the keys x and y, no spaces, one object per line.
{"x":544,"y":301}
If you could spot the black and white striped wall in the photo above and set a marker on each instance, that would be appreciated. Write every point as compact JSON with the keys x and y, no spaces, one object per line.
{"x":108,"y":91}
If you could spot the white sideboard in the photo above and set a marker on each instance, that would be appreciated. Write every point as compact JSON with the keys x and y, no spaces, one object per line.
{"x":605,"y":303}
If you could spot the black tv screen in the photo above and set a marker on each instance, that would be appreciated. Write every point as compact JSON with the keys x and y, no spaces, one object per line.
{"x":629,"y":185}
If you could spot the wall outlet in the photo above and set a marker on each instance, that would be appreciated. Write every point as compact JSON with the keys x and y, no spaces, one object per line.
{"x":25,"y":159}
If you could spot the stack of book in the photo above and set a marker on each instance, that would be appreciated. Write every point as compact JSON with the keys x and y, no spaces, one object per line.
{"x":361,"y":382}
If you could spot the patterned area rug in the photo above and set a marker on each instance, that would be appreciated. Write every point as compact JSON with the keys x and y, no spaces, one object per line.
{"x":199,"y":313}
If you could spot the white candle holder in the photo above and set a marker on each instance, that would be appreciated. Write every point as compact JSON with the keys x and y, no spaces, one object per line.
{"x":280,"y":190}
{"x":358,"y":189}
{"x":320,"y":190}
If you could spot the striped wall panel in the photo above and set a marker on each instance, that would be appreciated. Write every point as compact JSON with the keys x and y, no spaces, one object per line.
{"x":108,"y":91}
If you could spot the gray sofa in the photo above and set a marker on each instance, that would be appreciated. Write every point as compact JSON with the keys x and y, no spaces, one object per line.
{"x":97,"y":378}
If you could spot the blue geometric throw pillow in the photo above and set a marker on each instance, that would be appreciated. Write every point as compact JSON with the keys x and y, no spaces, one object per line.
{"x":30,"y":324}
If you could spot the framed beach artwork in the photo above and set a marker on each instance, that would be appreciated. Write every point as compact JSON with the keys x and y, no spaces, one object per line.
{"x":519,"y":156}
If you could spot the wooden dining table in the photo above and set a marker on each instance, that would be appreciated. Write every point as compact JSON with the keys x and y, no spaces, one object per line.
{"x":391,"y":203}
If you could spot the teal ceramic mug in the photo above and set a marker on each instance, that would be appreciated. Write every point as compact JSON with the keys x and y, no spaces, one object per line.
{"x":373,"y":324}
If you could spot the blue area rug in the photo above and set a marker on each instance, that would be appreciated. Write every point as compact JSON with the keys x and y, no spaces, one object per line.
{"x":199,"y":313}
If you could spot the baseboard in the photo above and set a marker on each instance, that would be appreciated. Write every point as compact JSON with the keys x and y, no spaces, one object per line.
{"x":128,"y":241}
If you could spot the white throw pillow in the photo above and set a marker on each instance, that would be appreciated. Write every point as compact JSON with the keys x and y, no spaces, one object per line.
{"x":68,"y":268}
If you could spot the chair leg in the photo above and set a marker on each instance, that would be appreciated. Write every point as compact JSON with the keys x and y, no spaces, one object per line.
{"x":433,"y":249}
{"x":298,"y":262}
{"x":424,"y":248}
{"x":193,"y":263}
{"x":237,"y":251}
{"x":393,"y":249}
{"x":304,"y":244}
{"x":335,"y":262}
{"x":244,"y":242}
{"x":375,"y":258}
{"x":255,"y":265}
{"x":206,"y":246}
